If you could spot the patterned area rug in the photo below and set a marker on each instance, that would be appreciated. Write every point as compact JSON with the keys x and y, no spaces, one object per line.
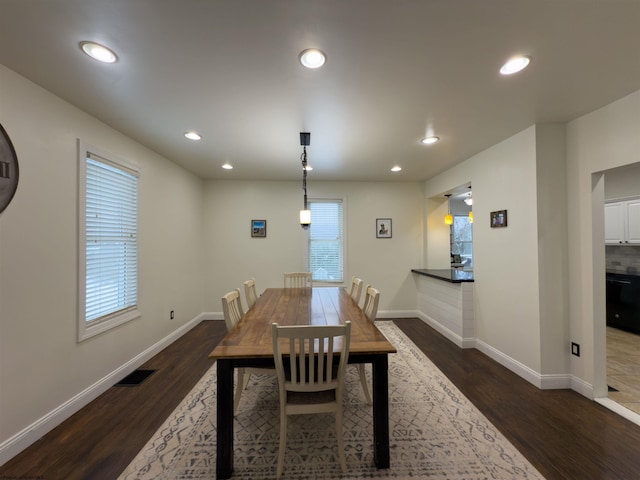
{"x":435,"y":432}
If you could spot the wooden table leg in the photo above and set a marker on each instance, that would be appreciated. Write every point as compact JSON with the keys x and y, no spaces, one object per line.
{"x":224,"y":415}
{"x":380,"y":389}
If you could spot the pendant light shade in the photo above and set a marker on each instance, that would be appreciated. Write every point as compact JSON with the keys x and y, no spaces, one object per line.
{"x":305,"y":213}
{"x":305,"y":218}
{"x":448,"y":218}
{"x":470,"y":217}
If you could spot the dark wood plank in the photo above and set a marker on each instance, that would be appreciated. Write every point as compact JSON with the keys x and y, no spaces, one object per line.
{"x":103,"y":438}
{"x":563,"y":434}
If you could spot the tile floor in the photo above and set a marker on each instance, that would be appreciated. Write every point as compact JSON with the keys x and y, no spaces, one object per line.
{"x":623,"y":367}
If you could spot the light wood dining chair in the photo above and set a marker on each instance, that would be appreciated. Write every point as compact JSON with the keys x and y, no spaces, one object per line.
{"x":298,"y":280}
{"x":233,"y":313}
{"x":370,"y":309}
{"x":232,"y":308}
{"x":356,"y":289}
{"x":371,"y":299}
{"x":250,"y":292}
{"x":311,"y":377}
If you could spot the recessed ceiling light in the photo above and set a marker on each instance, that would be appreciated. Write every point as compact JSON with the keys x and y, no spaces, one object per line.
{"x":396,"y":168}
{"x":430,"y":140}
{"x":98,"y":52}
{"x":312,"y":58}
{"x":227,"y":166}
{"x":515,"y":65}
{"x":192,"y":135}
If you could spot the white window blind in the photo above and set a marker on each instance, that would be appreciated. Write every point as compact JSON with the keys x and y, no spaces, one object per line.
{"x":326,"y":240}
{"x":111,"y":243}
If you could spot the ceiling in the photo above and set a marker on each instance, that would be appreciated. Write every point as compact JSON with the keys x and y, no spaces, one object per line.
{"x":396,"y":71}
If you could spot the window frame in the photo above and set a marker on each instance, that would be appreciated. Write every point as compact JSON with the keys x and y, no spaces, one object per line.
{"x":331,"y":199}
{"x":88,"y":329}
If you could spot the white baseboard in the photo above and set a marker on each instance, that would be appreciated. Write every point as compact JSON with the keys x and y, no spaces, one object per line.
{"x":15,"y":444}
{"x":444,"y":331}
{"x":397,"y":314}
{"x":506,"y":361}
{"x":541,"y":381}
{"x":582,"y":387}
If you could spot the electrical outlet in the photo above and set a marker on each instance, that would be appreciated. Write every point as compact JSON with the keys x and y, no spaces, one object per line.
{"x":171,"y":315}
{"x":575,"y":349}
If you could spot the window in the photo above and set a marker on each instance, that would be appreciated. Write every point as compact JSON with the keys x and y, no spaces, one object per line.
{"x":326,"y":241}
{"x":462,"y":239}
{"x":108,"y":243}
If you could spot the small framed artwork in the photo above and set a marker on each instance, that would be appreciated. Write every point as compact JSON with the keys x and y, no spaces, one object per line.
{"x":499,"y":219}
{"x":383,"y":228}
{"x":258,"y":228}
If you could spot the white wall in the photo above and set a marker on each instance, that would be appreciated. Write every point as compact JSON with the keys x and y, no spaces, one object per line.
{"x":43,"y":370}
{"x":232,"y":256}
{"x":551,"y":215}
{"x":623,"y":182}
{"x":506,"y":287}
{"x":602,"y":140}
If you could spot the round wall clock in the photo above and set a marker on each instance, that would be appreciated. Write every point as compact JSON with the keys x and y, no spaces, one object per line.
{"x":8,"y":170}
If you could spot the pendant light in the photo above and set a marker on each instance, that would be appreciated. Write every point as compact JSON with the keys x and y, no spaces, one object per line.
{"x":305,"y":213}
{"x":448,"y":219}
{"x":470,"y":217}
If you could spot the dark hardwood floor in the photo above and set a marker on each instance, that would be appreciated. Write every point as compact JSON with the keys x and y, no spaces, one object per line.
{"x":100,"y":440}
{"x":564,"y":435}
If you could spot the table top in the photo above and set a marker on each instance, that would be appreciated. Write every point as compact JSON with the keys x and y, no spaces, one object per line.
{"x":251,"y":337}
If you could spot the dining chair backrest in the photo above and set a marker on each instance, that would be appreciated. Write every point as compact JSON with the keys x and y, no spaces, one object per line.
{"x":356,"y":289}
{"x":298,"y":280}
{"x":232,"y":308}
{"x":250,"y":292}
{"x":371,"y":299}
{"x":310,"y":363}
{"x":312,"y":358}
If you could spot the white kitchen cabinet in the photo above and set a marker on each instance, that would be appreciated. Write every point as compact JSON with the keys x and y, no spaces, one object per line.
{"x":622,"y":222}
{"x":633,"y":221}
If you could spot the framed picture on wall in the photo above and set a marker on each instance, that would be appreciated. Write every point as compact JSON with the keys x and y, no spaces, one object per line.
{"x":499,"y":219}
{"x":258,"y":228}
{"x":383,"y":228}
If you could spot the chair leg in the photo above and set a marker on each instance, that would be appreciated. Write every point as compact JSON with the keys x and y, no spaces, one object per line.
{"x":363,"y":381}
{"x":283,"y":442}
{"x":240,"y":384}
{"x":340,"y":438}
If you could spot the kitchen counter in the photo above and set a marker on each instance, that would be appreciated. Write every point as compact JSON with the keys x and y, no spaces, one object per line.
{"x":452,"y":275}
{"x":624,"y":273}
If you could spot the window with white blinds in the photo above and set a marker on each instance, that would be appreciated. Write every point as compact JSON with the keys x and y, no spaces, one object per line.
{"x":326,"y":241}
{"x":109,"y":244}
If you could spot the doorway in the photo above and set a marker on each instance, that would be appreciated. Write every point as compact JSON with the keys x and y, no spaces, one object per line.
{"x":622,"y":269}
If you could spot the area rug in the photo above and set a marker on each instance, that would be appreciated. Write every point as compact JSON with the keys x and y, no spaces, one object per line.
{"x":435,"y":432}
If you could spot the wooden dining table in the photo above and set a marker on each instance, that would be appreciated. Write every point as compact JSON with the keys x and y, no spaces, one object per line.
{"x":249,"y":344}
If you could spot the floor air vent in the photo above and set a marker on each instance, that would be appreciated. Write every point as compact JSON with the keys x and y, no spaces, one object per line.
{"x":611,"y":389}
{"x":135,"y":378}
